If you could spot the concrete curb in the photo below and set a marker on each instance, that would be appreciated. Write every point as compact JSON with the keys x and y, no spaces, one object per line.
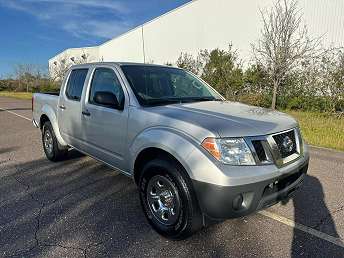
{"x":324,"y":148}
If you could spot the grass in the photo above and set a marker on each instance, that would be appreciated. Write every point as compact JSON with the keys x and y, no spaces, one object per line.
{"x":17,"y":95}
{"x":321,"y":129}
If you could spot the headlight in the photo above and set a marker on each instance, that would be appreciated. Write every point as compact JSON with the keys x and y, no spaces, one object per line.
{"x":232,"y":151}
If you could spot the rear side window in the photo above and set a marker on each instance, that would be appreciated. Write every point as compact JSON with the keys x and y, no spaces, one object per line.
{"x":105,"y":79}
{"x":75,"y":84}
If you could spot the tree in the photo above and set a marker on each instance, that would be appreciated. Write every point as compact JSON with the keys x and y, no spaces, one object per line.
{"x":27,"y":75}
{"x":336,"y":87}
{"x":256,"y":80}
{"x":61,"y":66}
{"x":189,"y":63}
{"x":223,"y":71}
{"x":284,"y":43}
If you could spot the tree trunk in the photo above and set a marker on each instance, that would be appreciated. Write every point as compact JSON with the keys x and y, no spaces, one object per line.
{"x":274,"y":95}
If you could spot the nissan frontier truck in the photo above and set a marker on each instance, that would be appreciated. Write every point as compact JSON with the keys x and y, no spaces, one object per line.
{"x":194,"y":156}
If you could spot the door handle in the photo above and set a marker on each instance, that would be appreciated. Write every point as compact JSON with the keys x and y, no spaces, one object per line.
{"x":86,"y":113}
{"x":62,"y":107}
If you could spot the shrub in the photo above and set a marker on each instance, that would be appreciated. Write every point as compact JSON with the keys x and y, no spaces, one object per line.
{"x":223,"y":71}
{"x":261,"y":100}
{"x":189,"y":63}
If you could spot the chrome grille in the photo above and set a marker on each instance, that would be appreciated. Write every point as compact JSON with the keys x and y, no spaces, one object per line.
{"x":280,"y":148}
{"x":258,"y":146}
{"x":282,"y":139}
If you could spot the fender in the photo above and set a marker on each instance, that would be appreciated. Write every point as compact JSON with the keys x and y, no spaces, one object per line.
{"x":176,"y":143}
{"x":50,"y":113}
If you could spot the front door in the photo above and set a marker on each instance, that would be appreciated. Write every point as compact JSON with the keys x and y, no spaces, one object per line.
{"x":105,"y":128}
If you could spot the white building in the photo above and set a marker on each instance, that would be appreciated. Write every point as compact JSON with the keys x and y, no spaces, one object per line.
{"x":205,"y":24}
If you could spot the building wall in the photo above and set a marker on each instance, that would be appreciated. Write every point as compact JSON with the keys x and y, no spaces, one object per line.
{"x":203,"y":24}
{"x":87,"y":54}
{"x":325,"y":18}
{"x":210,"y":24}
{"x":128,"y":47}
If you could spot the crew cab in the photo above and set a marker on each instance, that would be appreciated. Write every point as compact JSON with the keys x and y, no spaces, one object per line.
{"x":195,"y":157}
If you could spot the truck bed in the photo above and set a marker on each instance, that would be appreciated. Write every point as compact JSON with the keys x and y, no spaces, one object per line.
{"x":43,"y":101}
{"x":56,"y":93}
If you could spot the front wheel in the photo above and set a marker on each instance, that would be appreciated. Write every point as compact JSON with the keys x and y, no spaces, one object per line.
{"x":51,"y":147}
{"x":168,"y":199}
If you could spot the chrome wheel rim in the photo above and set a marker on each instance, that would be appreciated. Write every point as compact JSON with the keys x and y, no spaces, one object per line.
{"x":48,"y":141}
{"x":163,"y":200}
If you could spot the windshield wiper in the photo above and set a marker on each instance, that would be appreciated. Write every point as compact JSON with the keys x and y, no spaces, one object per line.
{"x":166,"y":101}
{"x":163,"y":101}
{"x":203,"y":99}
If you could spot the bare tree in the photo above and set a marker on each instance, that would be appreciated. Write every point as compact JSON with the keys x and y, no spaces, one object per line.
{"x":61,"y":66}
{"x":27,"y":75}
{"x":284,"y":43}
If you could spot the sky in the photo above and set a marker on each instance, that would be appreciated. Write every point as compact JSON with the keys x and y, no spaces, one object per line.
{"x":32,"y":31}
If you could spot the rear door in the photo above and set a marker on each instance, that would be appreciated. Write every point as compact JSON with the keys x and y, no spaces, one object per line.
{"x":105,"y":128}
{"x":70,"y":108}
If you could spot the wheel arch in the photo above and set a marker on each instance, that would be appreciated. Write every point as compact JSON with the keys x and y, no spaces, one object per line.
{"x":151,"y":153}
{"x":42,"y":120}
{"x":48,"y":114}
{"x":156,"y":141}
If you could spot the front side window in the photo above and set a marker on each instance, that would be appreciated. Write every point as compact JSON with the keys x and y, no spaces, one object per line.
{"x":76,"y":83}
{"x":158,"y":85}
{"x":105,"y":80}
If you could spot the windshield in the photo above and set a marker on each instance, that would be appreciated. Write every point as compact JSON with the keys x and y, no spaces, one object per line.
{"x":157,"y":85}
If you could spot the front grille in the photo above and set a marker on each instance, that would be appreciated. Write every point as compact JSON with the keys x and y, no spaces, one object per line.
{"x":286,"y":143}
{"x":258,"y":146}
{"x":280,"y":148}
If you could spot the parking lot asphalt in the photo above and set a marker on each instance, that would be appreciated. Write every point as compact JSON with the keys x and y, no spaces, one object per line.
{"x":81,"y":208}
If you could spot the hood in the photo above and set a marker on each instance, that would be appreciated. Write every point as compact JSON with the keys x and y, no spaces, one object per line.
{"x":229,"y":119}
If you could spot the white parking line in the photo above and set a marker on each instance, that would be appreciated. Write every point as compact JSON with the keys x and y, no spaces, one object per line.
{"x":311,"y":231}
{"x":13,"y":113}
{"x":281,"y":219}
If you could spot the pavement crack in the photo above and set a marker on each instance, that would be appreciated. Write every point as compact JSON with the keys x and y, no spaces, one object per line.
{"x":42,"y":205}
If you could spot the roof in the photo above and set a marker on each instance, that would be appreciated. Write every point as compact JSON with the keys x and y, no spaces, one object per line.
{"x":116,"y":63}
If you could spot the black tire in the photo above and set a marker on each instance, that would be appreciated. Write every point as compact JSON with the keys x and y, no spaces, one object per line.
{"x":188,"y":219}
{"x":55,"y":153}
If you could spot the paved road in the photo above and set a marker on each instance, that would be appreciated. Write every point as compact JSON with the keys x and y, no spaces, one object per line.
{"x":80,"y":208}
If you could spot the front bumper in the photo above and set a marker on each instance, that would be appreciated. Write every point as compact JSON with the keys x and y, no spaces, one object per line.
{"x":222,"y":202}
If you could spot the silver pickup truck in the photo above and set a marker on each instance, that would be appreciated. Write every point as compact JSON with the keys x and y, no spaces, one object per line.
{"x":195,"y":157}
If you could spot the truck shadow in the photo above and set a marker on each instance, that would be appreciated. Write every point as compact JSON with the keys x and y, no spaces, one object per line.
{"x":311,"y":210}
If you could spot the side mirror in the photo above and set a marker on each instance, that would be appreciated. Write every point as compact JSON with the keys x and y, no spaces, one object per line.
{"x":107,"y":99}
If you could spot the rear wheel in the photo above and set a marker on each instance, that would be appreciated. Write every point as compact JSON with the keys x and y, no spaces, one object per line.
{"x":168,"y":199}
{"x":51,"y":147}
